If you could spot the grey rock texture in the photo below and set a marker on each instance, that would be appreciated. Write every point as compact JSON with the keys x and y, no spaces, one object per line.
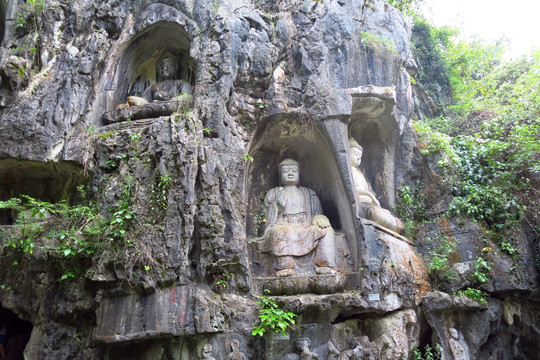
{"x":271,"y":79}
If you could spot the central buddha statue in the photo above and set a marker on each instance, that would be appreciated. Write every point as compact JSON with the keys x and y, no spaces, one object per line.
{"x":146,"y":101}
{"x":297,"y":232}
{"x":167,"y":86}
{"x":368,"y":205}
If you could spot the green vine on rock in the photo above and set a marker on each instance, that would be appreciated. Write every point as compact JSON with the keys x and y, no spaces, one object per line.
{"x":160,"y":193}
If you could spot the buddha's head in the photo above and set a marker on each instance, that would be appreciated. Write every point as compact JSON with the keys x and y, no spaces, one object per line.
{"x":207,"y":349}
{"x":167,"y":67}
{"x":289,"y":172}
{"x":356,"y":152}
{"x":235,"y":344}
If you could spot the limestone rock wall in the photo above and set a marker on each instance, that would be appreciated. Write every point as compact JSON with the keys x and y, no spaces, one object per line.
{"x":270,"y":79}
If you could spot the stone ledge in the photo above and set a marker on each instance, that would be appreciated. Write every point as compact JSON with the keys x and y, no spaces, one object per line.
{"x":316,"y":284}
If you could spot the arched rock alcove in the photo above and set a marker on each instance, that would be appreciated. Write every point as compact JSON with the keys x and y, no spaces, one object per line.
{"x":138,"y":61}
{"x":375,"y":128}
{"x":302,"y":139}
{"x":18,"y":333}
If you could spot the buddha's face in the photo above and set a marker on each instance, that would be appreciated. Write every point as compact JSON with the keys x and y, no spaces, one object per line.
{"x":290,"y":174}
{"x":356,"y":156}
{"x":166,"y":68}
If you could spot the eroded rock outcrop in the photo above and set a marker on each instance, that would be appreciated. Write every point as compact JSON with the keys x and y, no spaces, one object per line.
{"x":180,"y":184}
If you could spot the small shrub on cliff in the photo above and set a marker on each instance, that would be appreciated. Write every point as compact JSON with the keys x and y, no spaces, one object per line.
{"x":439,"y":263}
{"x":474,"y":294}
{"x":481,"y":270}
{"x":411,"y":207}
{"x":429,"y":353}
{"x":407,"y":7}
{"x":272,"y":317}
{"x":78,"y":230}
{"x":378,"y":42}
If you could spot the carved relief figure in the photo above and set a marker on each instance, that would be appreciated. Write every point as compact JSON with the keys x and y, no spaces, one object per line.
{"x":297,"y":231}
{"x":235,"y":354}
{"x":361,"y":351}
{"x":305,"y":352}
{"x":457,"y":350}
{"x":368,"y":205}
{"x":168,"y":85}
{"x":207,"y":352}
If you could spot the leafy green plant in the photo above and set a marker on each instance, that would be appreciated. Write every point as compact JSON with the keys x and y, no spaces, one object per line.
{"x":433,"y":142}
{"x":408,"y":7}
{"x":135,"y":137}
{"x":429,"y":353}
{"x":67,"y":275}
{"x":30,"y":13}
{"x":248,"y":157}
{"x":74,"y":227}
{"x":160,"y":192}
{"x":272,"y":317}
{"x":508,"y":248}
{"x":481,"y":270}
{"x":220,"y":270}
{"x":439,"y":266}
{"x":378,"y":42}
{"x":411,"y":207}
{"x":224,"y":282}
{"x":122,"y":216}
{"x":475,"y":294}
{"x":76,"y":232}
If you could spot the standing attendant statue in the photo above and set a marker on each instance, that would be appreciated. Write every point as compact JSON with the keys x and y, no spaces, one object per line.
{"x":368,"y":205}
{"x":235,"y":354}
{"x":207,"y":352}
{"x":299,"y":235}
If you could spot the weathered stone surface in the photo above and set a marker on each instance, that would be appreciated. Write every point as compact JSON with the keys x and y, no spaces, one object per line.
{"x":468,"y":318}
{"x":271,"y":80}
{"x":182,"y":310}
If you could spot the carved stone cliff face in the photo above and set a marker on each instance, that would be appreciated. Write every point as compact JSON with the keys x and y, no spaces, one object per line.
{"x":179,"y":278}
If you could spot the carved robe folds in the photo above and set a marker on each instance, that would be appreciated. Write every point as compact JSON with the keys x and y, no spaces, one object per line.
{"x":368,"y":210}
{"x":296,"y":228}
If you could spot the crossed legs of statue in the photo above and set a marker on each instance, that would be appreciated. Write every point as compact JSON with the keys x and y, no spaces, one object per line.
{"x":323,"y":258}
{"x":380,"y":216}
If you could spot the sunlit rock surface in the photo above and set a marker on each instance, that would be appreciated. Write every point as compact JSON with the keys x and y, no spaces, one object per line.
{"x":270,"y":80}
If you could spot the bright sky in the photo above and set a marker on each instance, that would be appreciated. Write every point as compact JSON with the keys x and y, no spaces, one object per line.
{"x":516,"y":20}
